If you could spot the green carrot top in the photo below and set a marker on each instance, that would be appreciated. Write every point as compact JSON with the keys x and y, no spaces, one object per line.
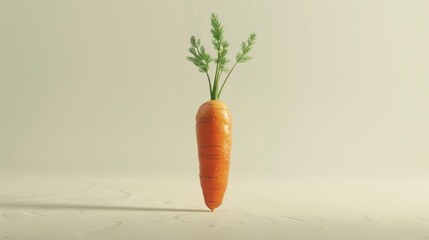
{"x":202,"y":59}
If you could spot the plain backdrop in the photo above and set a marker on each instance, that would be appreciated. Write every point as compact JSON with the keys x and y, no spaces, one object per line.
{"x":335,"y":88}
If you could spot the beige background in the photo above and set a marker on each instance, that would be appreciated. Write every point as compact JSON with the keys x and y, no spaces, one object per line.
{"x":330,"y":120}
{"x":336,"y":88}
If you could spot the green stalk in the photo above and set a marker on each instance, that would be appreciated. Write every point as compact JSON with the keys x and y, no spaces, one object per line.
{"x":215,"y":83}
{"x":207,"y":73}
{"x":226,"y":79}
{"x":210,"y":85}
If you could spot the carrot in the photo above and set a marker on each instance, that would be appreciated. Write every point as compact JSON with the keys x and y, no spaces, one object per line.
{"x":213,"y":120}
{"x":213,"y":125}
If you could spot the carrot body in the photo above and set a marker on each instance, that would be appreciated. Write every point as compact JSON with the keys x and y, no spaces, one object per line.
{"x":213,"y":126}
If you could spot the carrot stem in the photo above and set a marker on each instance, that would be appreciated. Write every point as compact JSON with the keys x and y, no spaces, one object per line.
{"x":215,"y":83}
{"x":210,"y":84}
{"x":226,"y":79}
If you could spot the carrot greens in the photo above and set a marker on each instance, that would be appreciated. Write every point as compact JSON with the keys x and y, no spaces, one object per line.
{"x":200,"y":58}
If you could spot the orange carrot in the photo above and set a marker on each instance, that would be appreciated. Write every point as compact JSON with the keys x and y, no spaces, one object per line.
{"x":213,"y":117}
{"x":213,"y":125}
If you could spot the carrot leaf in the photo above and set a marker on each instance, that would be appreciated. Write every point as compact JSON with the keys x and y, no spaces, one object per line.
{"x":246,"y":46}
{"x":200,"y":58}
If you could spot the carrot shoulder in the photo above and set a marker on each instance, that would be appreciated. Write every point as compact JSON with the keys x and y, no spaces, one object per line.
{"x":213,"y":126}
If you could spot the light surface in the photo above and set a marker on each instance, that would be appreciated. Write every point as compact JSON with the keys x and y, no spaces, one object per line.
{"x":106,"y":207}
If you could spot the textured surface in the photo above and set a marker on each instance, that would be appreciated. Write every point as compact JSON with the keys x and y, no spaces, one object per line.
{"x":42,"y":208}
{"x":213,"y":126}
